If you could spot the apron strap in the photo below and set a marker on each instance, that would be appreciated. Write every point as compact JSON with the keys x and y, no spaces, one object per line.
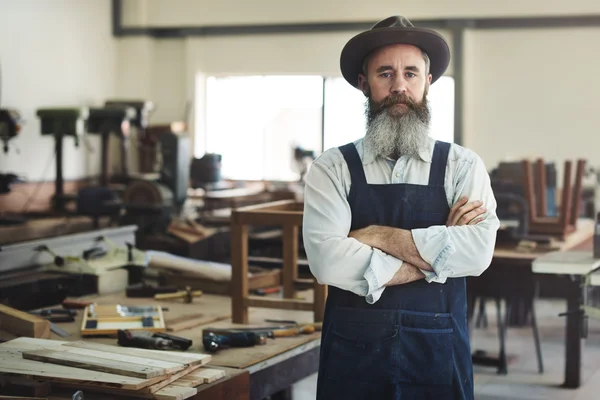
{"x":357,"y":172}
{"x":437,"y":174}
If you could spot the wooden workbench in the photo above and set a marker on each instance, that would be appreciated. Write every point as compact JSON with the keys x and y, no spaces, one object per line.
{"x":258,"y":372}
{"x":41,"y":228}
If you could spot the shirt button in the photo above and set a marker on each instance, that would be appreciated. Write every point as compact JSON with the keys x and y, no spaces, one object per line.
{"x":397,"y":174}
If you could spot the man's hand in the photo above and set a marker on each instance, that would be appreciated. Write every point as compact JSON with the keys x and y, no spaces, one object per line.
{"x":463,"y":213}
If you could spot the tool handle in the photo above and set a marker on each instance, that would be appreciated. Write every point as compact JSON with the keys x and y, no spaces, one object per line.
{"x":168,"y":296}
{"x":177,"y":295}
{"x":306,"y":329}
{"x":75,"y":304}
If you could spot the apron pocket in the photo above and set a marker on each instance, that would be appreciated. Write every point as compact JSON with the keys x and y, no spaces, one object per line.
{"x":424,"y":356}
{"x":359,"y":352}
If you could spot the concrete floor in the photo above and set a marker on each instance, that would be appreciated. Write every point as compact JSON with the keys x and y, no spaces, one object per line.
{"x":523,"y":380}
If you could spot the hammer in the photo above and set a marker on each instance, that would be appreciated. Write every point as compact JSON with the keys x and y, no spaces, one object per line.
{"x":187,"y":295}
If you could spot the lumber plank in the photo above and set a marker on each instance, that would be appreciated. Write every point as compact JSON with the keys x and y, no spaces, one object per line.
{"x":28,"y":344}
{"x":90,"y":362}
{"x":175,"y":393}
{"x":187,"y":383}
{"x":173,"y":378}
{"x":12,"y":362}
{"x":23,"y":324}
{"x":167,"y":367}
{"x":209,"y":375}
{"x":185,"y":359}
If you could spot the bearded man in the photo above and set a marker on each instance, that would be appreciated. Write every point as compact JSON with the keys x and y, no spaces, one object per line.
{"x":393,"y":223}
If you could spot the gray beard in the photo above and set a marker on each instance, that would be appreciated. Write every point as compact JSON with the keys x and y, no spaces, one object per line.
{"x":392,"y":136}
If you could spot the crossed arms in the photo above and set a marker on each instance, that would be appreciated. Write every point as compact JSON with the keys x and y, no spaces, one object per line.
{"x":367,"y":260}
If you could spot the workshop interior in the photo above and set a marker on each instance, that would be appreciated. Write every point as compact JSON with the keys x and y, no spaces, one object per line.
{"x":153,"y":176}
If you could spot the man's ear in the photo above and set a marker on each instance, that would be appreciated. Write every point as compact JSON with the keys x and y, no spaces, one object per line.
{"x":429,"y":77}
{"x":363,"y":84}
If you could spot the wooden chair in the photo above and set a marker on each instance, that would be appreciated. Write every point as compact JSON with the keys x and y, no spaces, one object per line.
{"x":285,"y":213}
{"x":535,"y":193}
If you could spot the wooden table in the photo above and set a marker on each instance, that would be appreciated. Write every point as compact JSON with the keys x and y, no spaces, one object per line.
{"x":252,"y":373}
{"x":510,"y":276}
{"x":572,"y":267}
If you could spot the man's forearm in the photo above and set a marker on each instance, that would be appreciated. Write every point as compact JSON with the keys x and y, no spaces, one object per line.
{"x":406,"y":274}
{"x":396,"y":242}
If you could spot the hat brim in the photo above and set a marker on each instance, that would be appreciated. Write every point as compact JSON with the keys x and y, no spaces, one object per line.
{"x":363,"y":44}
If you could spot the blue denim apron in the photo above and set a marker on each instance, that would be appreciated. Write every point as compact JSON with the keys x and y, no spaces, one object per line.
{"x":413,"y":342}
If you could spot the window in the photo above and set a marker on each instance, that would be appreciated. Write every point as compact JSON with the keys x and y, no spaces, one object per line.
{"x":344,"y":113}
{"x":441,"y":103}
{"x":255,"y":122}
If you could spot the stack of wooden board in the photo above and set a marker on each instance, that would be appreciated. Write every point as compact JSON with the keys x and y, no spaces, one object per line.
{"x":153,"y":374}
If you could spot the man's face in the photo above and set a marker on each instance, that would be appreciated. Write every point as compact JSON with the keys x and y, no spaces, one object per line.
{"x":395,"y":70}
{"x":396,"y":86}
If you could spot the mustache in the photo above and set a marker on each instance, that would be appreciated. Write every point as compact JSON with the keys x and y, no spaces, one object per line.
{"x":421,"y":109}
{"x":397,"y":98}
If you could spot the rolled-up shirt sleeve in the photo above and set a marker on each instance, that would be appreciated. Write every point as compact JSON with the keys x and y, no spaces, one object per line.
{"x":467,"y":250}
{"x":334,"y":258}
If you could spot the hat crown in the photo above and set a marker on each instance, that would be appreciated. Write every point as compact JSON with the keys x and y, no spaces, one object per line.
{"x":394,"y":22}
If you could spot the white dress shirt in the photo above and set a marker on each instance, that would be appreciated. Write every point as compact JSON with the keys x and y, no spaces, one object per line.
{"x":343,"y":262}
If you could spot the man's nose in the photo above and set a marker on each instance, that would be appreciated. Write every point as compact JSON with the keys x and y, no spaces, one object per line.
{"x":398,"y":85}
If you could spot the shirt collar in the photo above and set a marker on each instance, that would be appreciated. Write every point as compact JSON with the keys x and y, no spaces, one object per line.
{"x":368,"y":156}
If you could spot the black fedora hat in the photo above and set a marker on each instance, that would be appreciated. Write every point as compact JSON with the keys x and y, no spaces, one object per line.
{"x":394,"y":30}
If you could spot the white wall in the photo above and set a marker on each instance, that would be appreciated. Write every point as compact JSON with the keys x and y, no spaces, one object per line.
{"x":533,"y":92}
{"x":53,"y":54}
{"x":222,"y":12}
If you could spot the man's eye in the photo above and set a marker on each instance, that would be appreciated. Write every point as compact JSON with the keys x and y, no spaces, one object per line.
{"x":410,"y":75}
{"x":385,"y":75}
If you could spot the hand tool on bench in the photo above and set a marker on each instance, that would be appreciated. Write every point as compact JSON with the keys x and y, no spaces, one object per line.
{"x":187,"y":295}
{"x":58,"y":318}
{"x":58,"y":330}
{"x":157,"y":341}
{"x":270,"y":332}
{"x":317,"y":325}
{"x":54,"y":311}
{"x":266,"y":291}
{"x":118,"y":310}
{"x":56,"y":314}
{"x":75,"y":304}
{"x":213,"y":342}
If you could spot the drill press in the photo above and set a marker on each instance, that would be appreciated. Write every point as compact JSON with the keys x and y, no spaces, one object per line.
{"x":111,"y":120}
{"x":10,"y":126}
{"x":139,"y":122}
{"x":61,"y":122}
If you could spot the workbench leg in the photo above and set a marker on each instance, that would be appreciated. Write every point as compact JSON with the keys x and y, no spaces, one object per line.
{"x":573,"y":337}
{"x":502,"y":360}
{"x":239,"y":273}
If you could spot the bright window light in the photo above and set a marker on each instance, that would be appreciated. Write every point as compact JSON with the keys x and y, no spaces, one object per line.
{"x":255,"y":122}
